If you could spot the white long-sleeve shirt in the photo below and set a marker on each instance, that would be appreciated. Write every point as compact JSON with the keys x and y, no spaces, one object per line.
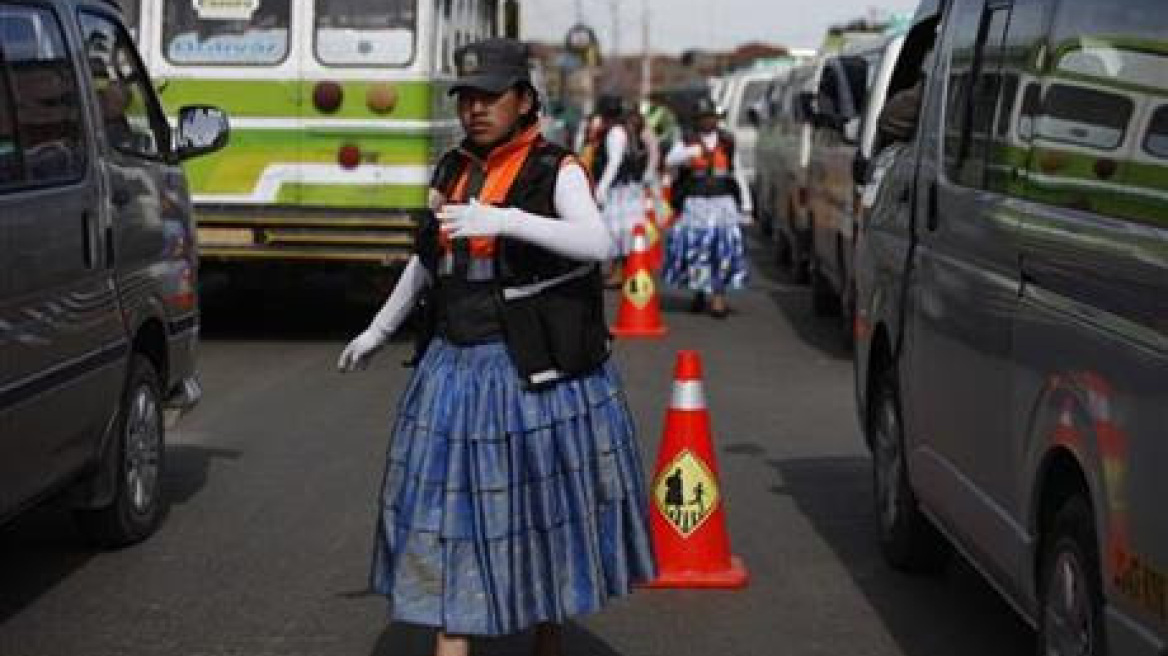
{"x":680,"y":154}
{"x":579,"y":233}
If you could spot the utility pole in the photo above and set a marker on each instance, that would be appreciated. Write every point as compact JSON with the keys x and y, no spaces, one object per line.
{"x":647,"y":54}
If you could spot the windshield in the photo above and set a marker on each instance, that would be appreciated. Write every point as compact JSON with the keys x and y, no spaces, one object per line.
{"x":365,"y":32}
{"x":751,"y":94}
{"x":225,"y":32}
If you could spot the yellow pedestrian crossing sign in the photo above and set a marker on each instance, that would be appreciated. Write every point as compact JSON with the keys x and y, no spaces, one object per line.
{"x":639,"y":289}
{"x":686,"y":493}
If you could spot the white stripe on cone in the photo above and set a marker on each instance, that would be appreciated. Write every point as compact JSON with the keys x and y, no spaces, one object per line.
{"x":688,"y":395}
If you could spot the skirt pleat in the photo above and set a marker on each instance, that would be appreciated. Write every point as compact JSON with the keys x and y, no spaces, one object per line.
{"x":705,"y":251}
{"x":623,"y":210}
{"x":503,"y":508}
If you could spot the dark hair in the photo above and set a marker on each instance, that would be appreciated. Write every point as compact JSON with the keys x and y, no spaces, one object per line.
{"x":531,"y":117}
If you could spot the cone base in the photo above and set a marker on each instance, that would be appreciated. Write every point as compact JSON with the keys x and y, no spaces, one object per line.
{"x":659,"y":331}
{"x":734,"y":577}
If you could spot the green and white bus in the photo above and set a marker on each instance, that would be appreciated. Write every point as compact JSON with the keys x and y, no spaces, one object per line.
{"x":338,"y":111}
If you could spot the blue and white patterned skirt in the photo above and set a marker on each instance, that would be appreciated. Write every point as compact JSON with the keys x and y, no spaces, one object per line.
{"x":624,"y":209}
{"x":705,"y":251}
{"x":503,"y":508}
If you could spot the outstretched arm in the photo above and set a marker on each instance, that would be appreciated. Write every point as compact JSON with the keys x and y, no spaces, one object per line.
{"x":578,"y":234}
{"x":385,"y":323}
{"x":614,"y":144}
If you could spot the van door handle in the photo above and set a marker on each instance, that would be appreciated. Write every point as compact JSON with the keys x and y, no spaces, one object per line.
{"x":933,"y":220}
{"x":88,"y":240}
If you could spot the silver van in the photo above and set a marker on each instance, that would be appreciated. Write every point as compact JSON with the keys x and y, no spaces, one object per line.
{"x":1012,"y":329}
{"x":98,"y":305}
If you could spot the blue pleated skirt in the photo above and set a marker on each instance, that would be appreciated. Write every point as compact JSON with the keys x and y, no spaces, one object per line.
{"x":705,"y":251}
{"x":503,"y":508}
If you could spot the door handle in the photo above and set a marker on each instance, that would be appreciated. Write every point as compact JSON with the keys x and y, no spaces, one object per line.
{"x":88,"y":240}
{"x":933,"y":220}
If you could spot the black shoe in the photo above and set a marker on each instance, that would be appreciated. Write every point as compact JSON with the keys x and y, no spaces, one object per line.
{"x":698,"y":304}
{"x":720,"y":313}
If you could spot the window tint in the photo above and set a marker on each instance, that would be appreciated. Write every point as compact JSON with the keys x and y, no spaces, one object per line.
{"x":130,"y":115}
{"x":365,"y":32}
{"x":1102,"y":125}
{"x":1156,"y":143}
{"x":247,"y":32}
{"x":48,"y":145}
{"x":974,"y":87}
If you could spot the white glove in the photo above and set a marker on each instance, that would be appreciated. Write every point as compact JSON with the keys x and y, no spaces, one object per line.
{"x":693,"y":152}
{"x":602,"y":196}
{"x":357,"y":354}
{"x":474,"y":220}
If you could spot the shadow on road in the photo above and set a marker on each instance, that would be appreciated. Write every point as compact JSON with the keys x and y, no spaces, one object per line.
{"x":956,"y":614}
{"x":407,"y":640}
{"x":43,"y":547}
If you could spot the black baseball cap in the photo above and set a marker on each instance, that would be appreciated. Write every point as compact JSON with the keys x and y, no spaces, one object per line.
{"x":491,"y":65}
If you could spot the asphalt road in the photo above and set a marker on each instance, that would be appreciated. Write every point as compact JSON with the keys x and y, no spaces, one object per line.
{"x":275,"y":479}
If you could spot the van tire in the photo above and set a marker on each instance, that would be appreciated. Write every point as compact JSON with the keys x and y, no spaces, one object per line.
{"x":908,"y":540}
{"x":824,"y":301}
{"x":1070,"y":562}
{"x":139,"y":503}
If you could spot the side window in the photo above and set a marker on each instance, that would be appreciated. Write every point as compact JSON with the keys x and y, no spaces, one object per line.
{"x":1156,"y":141}
{"x":47,"y":146}
{"x":974,"y":84}
{"x":130,"y":115}
{"x":1099,"y":139}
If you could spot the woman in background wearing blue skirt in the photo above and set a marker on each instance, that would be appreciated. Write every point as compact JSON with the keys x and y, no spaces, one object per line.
{"x":514,"y":493}
{"x":705,"y":252}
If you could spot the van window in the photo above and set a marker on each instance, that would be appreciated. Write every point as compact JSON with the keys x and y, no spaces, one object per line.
{"x":752,"y":92}
{"x":243,"y":32}
{"x":48,"y":145}
{"x":365,"y":32}
{"x":1105,"y":79}
{"x":974,"y":85}
{"x":130,"y":115}
{"x":1156,"y":143}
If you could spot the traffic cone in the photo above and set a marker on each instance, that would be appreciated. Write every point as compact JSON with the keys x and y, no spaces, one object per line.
{"x":639,"y":314}
{"x":687,"y":516}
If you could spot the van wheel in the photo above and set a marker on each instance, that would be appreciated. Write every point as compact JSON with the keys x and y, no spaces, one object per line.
{"x":908,"y":540}
{"x":1071,"y":620}
{"x":824,"y":301}
{"x":848,"y":317}
{"x":138,"y":505}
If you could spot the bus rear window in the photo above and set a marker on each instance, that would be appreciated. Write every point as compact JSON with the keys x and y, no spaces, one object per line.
{"x":365,"y":32}
{"x":226,"y":32}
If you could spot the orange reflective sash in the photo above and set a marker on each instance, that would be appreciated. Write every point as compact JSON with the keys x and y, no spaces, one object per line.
{"x":502,"y":169}
{"x":716,"y":161}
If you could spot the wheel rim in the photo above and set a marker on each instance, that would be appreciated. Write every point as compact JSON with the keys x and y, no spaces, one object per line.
{"x":143,"y":451}
{"x":1069,"y":630}
{"x":889,"y":462}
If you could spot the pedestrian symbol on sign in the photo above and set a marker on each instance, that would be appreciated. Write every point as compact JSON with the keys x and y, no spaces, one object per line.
{"x":686,"y":493}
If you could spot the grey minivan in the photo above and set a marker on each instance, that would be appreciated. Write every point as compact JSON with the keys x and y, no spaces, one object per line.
{"x":1012,"y":330}
{"x":98,"y":305}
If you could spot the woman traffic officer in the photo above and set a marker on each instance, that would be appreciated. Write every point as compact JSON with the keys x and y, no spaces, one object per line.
{"x":514,"y":494}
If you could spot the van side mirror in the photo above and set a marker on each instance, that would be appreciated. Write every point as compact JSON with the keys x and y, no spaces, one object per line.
{"x":806,"y":102}
{"x":202,"y":129}
{"x":754,"y":115}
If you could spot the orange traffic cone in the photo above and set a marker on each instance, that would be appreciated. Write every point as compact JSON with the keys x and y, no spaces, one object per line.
{"x":639,"y":314}
{"x":687,"y":517}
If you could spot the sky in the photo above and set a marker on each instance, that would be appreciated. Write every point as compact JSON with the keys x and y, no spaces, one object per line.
{"x":678,"y":25}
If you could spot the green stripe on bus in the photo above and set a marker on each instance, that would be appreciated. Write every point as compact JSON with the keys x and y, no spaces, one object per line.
{"x":353,"y":196}
{"x":237,"y":168}
{"x":293,"y":98}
